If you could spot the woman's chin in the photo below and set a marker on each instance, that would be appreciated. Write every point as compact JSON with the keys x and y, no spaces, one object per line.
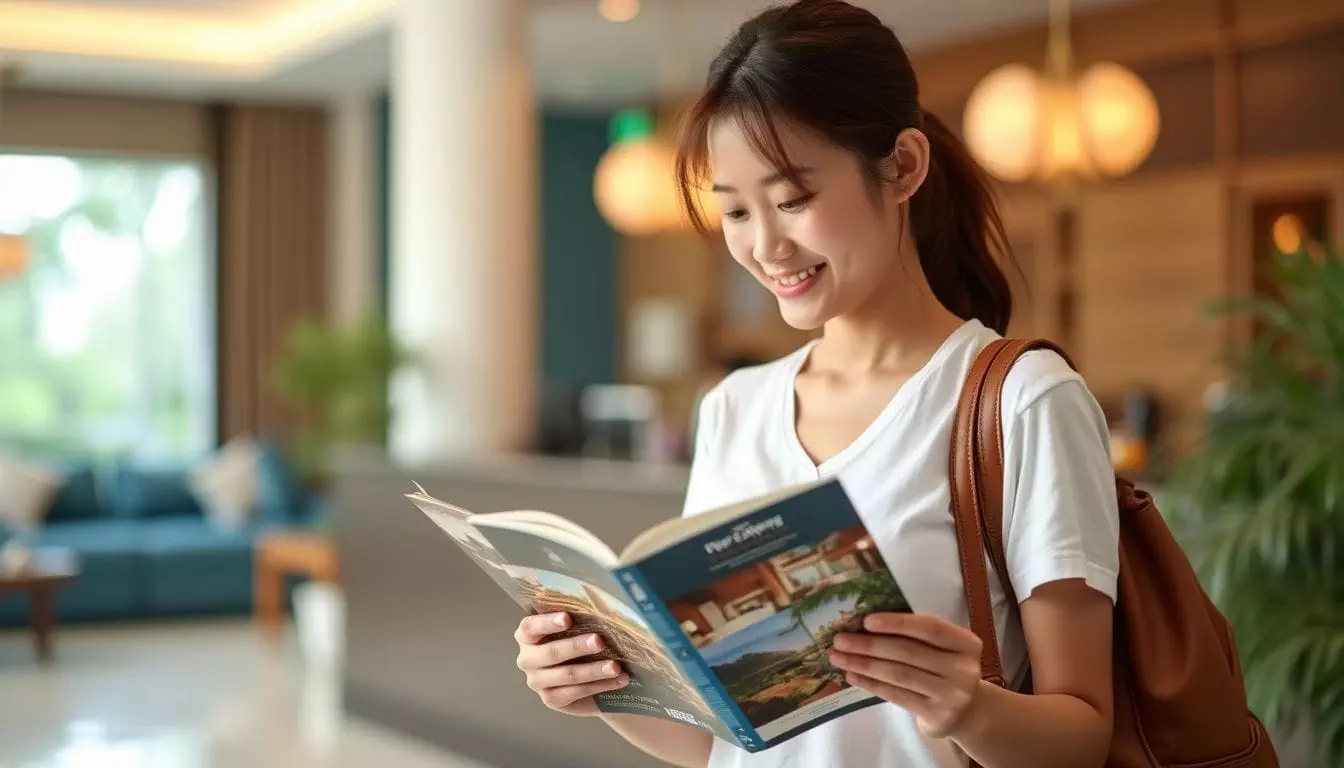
{"x":803,"y":318}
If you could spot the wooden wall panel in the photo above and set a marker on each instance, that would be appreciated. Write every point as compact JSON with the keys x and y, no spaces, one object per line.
{"x":1291,"y":97}
{"x":1033,"y":272}
{"x":1150,"y":253}
{"x":1185,"y":95}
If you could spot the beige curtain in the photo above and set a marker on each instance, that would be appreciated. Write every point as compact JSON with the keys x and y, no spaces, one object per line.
{"x":272,"y":180}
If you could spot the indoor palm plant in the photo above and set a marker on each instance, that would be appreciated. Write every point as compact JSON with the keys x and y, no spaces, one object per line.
{"x":1260,"y":502}
{"x":336,"y":377}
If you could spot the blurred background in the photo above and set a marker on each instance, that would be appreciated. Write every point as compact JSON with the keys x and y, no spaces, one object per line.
{"x":263,"y":263}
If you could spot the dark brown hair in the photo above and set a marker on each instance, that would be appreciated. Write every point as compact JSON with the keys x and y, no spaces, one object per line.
{"x":837,"y":70}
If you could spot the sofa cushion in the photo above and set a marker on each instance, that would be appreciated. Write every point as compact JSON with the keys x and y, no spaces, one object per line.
{"x":94,"y":536}
{"x":193,"y":567}
{"x":143,"y":493}
{"x":188,"y":535}
{"x":26,"y":493}
{"x":225,"y":484}
{"x":78,"y":497}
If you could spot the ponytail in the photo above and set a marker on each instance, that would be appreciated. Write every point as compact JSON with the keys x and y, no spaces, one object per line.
{"x":959,"y":232}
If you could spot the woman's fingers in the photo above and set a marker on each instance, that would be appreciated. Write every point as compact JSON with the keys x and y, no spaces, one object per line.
{"x":546,"y":661}
{"x":534,"y":657}
{"x":915,"y":653}
{"x":535,"y":629}
{"x":925,"y":627}
{"x":901,"y":697}
{"x":558,"y":698}
{"x":893,"y":673}
{"x":572,"y":674}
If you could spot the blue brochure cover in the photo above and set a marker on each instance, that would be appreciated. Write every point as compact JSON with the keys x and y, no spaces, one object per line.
{"x":722,"y":620}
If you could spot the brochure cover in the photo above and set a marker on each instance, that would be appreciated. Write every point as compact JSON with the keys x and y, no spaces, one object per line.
{"x":722,"y":620}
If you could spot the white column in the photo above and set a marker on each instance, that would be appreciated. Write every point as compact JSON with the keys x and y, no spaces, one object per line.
{"x":352,"y":241}
{"x":463,"y":240}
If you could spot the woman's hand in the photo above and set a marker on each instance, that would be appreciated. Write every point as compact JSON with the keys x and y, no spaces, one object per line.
{"x":926,"y":665}
{"x":563,"y":686}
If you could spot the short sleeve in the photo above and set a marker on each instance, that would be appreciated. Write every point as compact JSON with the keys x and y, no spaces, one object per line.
{"x":708,"y":422}
{"x":1060,"y":507}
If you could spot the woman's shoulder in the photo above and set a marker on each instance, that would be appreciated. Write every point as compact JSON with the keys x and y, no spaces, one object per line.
{"x":1039,"y":374}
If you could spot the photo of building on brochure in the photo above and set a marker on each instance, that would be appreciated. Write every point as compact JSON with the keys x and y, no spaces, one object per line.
{"x":765,"y":628}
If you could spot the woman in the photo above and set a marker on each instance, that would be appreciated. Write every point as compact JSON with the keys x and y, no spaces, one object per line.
{"x":868,"y":219}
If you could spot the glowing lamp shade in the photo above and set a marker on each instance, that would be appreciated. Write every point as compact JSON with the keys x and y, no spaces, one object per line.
{"x":13,"y":255}
{"x":1120,"y":119}
{"x":1022,"y":126}
{"x":1003,"y":122}
{"x":633,"y":185}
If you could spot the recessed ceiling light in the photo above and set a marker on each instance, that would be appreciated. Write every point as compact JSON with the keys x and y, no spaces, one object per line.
{"x":618,"y":10}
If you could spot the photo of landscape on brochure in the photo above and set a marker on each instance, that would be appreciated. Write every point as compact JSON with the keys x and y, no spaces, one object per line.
{"x":764,"y":629}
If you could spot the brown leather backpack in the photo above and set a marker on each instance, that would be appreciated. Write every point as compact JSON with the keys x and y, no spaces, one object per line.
{"x":1179,"y":695}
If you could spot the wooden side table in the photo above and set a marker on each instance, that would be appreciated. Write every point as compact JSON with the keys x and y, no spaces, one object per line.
{"x":281,"y":553}
{"x":48,"y":569}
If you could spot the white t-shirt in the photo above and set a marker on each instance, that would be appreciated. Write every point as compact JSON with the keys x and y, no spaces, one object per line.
{"x":1060,"y":514}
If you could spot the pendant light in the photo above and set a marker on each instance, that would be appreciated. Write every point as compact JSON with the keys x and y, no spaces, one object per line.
{"x":1058,"y":125}
{"x":633,"y":186}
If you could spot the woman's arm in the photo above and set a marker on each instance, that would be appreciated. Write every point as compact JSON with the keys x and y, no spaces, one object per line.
{"x":1067,"y":722}
{"x":931,"y":667}
{"x":680,"y":745}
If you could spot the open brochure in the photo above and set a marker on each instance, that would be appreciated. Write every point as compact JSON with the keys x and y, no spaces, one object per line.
{"x":722,"y":620}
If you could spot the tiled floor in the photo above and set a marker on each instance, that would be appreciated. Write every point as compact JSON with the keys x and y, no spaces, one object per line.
{"x":183,"y":695}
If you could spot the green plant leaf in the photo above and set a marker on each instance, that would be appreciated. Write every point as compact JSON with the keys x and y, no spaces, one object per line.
{"x":1259,"y":507}
{"x":336,"y":378}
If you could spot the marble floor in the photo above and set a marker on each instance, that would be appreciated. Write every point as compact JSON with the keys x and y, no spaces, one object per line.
{"x":200,"y":694}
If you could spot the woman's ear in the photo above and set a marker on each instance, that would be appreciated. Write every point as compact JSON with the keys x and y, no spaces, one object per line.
{"x":908,"y":164}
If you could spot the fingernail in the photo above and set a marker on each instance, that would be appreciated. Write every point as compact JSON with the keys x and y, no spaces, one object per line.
{"x":559,"y":619}
{"x":593,"y":641}
{"x":609,"y":668}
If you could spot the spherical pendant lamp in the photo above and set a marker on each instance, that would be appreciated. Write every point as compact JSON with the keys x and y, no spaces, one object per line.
{"x":633,"y":186}
{"x":1023,"y":125}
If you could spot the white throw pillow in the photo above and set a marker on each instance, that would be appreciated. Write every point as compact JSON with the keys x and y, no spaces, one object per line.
{"x":226,"y":485}
{"x":26,"y":493}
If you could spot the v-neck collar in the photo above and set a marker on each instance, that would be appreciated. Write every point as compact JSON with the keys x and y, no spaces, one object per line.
{"x":903,"y":395}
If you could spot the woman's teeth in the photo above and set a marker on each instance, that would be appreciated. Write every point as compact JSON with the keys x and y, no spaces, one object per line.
{"x":798,"y":277}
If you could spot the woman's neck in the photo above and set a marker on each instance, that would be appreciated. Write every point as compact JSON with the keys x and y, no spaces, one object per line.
{"x":897,"y":330}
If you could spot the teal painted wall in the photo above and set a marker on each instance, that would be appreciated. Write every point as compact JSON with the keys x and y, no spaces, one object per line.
{"x":578,"y":278}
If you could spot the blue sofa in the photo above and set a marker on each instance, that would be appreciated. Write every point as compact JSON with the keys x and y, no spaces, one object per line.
{"x":146,"y":549}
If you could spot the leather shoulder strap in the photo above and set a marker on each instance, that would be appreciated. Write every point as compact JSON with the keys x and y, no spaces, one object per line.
{"x":976,"y":473}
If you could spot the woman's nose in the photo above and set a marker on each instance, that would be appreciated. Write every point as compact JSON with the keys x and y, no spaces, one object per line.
{"x":771,"y":245}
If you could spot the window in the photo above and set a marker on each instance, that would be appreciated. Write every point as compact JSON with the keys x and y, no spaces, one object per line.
{"x":106,"y":333}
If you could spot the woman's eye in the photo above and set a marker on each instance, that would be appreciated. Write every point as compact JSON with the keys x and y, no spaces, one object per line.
{"x":737,"y":214}
{"x":796,"y":204}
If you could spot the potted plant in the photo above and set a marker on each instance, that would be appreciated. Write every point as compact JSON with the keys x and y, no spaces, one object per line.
{"x":1260,"y":502}
{"x":337,"y":380}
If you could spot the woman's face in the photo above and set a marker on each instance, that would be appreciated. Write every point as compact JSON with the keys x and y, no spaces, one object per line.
{"x":824,"y":250}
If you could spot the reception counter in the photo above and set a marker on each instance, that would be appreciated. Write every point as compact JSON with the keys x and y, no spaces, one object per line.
{"x":429,"y":638}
